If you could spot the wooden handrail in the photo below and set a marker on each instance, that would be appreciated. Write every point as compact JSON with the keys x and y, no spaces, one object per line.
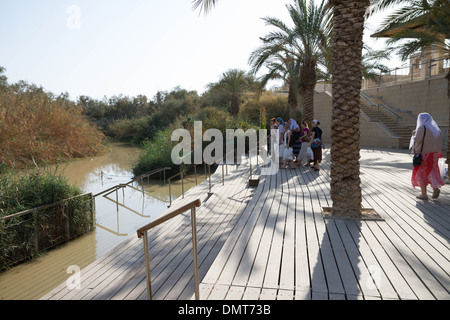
{"x":173,"y":213}
{"x":142,"y":233}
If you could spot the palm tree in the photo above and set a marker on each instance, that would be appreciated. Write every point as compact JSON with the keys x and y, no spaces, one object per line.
{"x":306,"y":40}
{"x":310,"y":39}
{"x":233,"y":84}
{"x":372,"y":65}
{"x":280,"y":64}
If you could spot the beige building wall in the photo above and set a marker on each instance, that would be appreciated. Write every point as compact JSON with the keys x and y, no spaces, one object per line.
{"x":424,"y":96}
{"x":372,"y":133}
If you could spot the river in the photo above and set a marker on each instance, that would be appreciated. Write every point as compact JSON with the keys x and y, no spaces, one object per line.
{"x":118,"y":216}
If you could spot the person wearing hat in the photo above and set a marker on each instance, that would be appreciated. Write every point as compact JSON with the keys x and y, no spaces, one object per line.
{"x":316,"y":144}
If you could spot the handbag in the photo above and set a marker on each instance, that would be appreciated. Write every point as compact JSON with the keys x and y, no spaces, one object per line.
{"x":308,"y":137}
{"x":316,"y":143}
{"x":417,"y":159}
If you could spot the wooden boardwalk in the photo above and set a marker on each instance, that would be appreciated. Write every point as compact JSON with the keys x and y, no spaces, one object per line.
{"x":272,"y":242}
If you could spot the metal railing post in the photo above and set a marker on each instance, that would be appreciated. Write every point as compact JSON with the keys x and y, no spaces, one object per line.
{"x":147,"y":266}
{"x":182,"y":181}
{"x":209,"y":173}
{"x":143,"y":233}
{"x":194,"y":252}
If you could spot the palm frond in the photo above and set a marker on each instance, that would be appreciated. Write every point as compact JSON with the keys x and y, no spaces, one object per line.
{"x":205,"y":5}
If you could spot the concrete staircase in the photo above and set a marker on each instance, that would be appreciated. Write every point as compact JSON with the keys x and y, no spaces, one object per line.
{"x":377,"y":111}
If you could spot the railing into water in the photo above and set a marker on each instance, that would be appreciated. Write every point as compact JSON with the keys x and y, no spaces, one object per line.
{"x":143,"y":233}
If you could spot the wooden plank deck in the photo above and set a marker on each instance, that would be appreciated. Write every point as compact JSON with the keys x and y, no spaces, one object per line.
{"x":285,"y":249}
{"x":272,"y":242}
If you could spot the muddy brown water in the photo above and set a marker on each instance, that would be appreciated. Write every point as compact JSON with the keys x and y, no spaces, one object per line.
{"x":118,"y":216}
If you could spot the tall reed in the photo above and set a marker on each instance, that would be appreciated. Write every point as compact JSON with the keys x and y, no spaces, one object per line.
{"x":38,"y":126}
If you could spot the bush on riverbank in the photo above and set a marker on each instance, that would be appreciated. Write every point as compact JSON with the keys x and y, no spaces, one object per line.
{"x":157,"y":152}
{"x":37,"y":126}
{"x":37,"y":188}
{"x":23,"y":236}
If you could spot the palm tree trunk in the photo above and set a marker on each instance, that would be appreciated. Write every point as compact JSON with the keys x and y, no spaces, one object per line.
{"x":448,"y":135}
{"x":348,"y":21}
{"x":292,"y":102}
{"x":235,"y":105}
{"x":308,"y":104}
{"x":306,"y":87}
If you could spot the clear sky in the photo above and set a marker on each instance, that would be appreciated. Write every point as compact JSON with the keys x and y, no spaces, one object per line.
{"x":109,"y":47}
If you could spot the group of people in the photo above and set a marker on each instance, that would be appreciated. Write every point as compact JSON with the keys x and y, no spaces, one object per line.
{"x":298,"y":145}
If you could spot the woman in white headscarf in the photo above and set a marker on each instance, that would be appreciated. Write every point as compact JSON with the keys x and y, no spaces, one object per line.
{"x":294,"y":137}
{"x":427,"y":139}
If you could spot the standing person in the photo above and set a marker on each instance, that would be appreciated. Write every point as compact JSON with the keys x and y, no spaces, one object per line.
{"x":296,"y":133}
{"x":427,"y":139}
{"x":281,"y":145}
{"x":302,"y":156}
{"x":273,"y":126}
{"x":316,"y":144}
{"x":288,"y":154}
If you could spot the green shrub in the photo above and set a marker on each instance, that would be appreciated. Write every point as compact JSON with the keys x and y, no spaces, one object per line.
{"x":43,"y":227}
{"x":37,"y":188}
{"x":275,"y":106}
{"x":155,"y":153}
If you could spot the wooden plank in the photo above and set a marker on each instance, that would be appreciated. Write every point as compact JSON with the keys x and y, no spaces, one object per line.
{"x":333,"y":278}
{"x":363,"y":270}
{"x":377,"y":243}
{"x":256,"y":277}
{"x":302,"y":272}
{"x":235,"y":293}
{"x":213,"y":247}
{"x":285,"y":294}
{"x":174,"y":268}
{"x":268,"y":294}
{"x":257,"y":241}
{"x":317,"y":273}
{"x":271,"y":278}
{"x":237,"y":240}
{"x":223,"y":213}
{"x":218,"y":292}
{"x":251,"y":293}
{"x":287,"y":272}
{"x":368,"y":247}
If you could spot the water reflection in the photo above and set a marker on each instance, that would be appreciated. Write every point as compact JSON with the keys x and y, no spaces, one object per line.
{"x":118,"y":216}
{"x":120,"y":212}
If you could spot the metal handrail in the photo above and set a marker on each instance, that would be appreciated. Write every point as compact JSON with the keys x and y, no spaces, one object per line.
{"x":397,"y":117}
{"x":32,"y":210}
{"x":182,"y":184}
{"x":140,"y":177}
{"x":148,"y":174}
{"x":143,"y":233}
